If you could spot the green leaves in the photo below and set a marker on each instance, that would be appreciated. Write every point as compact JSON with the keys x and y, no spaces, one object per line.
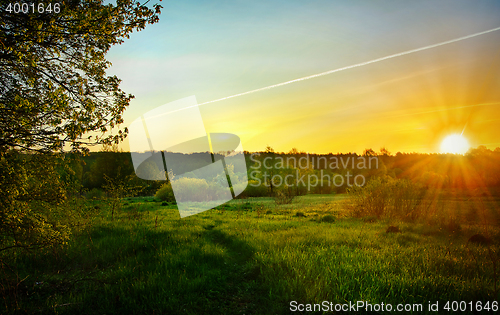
{"x":30,"y":196}
{"x":53,"y":83}
{"x":54,"y":91}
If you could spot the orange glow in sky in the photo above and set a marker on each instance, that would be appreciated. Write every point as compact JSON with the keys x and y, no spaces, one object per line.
{"x":406,"y":103}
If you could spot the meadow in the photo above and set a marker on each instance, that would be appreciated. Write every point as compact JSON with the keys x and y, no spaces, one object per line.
{"x":252,"y":256}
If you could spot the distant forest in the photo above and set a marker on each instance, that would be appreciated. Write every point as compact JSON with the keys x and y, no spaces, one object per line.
{"x":478,"y":169}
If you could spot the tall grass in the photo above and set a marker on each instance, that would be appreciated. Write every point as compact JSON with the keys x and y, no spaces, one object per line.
{"x":249,"y":257}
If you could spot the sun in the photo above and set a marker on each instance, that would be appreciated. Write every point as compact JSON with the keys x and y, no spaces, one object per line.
{"x":455,"y":143}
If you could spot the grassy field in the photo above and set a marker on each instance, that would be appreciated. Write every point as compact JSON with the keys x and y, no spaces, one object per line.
{"x":255,"y":257}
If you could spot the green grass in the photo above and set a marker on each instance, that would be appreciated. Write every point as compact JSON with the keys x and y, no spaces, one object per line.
{"x":252,"y":257}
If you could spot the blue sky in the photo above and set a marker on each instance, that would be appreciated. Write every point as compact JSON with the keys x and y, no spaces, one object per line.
{"x":213,"y":49}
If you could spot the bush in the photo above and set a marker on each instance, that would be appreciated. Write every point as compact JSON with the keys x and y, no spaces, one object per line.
{"x":216,"y":192}
{"x":165,"y":193}
{"x":392,"y":229}
{"x":370,"y":219}
{"x":371,"y":199}
{"x":33,"y":204}
{"x":255,"y":190}
{"x":192,"y":189}
{"x":386,"y":197}
{"x":405,"y":199}
{"x":284,"y":195}
{"x":327,"y":218}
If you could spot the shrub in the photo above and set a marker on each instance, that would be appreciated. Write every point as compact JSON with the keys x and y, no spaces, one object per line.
{"x":284,"y":195}
{"x":370,"y":219}
{"x":386,"y":197}
{"x":392,"y":229}
{"x":197,"y":189}
{"x":165,"y":193}
{"x":216,"y":192}
{"x":255,"y":190}
{"x":191,"y":189}
{"x":33,"y":204}
{"x":405,"y":199}
{"x":327,"y":218}
{"x":371,"y":199}
{"x":479,"y":239}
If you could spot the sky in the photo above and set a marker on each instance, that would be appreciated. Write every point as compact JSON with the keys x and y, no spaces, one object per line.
{"x":409,"y":103}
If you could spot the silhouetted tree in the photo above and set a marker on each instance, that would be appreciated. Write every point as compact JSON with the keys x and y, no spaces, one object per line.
{"x":369,"y":152}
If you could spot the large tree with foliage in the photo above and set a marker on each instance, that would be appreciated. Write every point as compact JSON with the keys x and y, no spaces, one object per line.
{"x":54,"y":91}
{"x":53,"y":83}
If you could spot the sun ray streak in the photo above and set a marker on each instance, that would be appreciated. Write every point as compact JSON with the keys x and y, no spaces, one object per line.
{"x":463,"y":129}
